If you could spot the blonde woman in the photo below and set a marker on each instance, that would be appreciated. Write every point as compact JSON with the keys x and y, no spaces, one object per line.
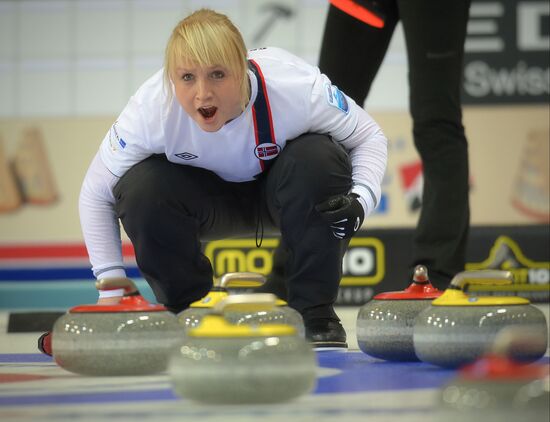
{"x":228,"y":142}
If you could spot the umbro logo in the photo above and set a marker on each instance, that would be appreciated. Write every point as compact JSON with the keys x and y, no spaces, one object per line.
{"x":186,"y":156}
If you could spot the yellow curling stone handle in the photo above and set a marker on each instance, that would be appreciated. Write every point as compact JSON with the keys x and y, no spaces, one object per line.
{"x":215,"y":325}
{"x":242,"y":279}
{"x":237,"y":279}
{"x":254,"y":302}
{"x":245,"y":279}
{"x":455,"y":295}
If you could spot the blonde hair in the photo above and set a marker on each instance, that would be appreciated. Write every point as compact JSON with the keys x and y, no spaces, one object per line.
{"x":208,"y":38}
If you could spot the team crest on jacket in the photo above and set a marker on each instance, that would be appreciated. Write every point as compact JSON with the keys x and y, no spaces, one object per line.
{"x":115,"y":139}
{"x":267,"y":151}
{"x":336,"y":98}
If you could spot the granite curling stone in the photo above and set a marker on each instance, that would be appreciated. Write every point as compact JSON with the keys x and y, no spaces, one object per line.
{"x":385,"y":324}
{"x":224,"y":363}
{"x":132,"y":337}
{"x":280,"y":314}
{"x":496,"y":388}
{"x":456,"y":328}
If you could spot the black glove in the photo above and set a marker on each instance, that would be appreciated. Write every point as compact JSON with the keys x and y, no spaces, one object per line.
{"x":344,"y":213}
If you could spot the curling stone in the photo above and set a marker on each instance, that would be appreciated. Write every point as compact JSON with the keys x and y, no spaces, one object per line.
{"x":132,"y":337}
{"x":497,"y":388}
{"x":385,"y":324}
{"x":224,"y":363}
{"x":280,"y":314}
{"x":457,"y":328}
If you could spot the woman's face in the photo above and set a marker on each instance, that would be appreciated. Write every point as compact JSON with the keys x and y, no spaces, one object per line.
{"x":210,"y":95}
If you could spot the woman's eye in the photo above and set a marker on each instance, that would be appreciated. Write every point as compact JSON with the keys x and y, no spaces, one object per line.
{"x":187,"y":76}
{"x":218,"y":74}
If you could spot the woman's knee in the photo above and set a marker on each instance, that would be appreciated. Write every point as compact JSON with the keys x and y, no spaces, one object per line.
{"x":318,"y":152}
{"x":315,"y":165}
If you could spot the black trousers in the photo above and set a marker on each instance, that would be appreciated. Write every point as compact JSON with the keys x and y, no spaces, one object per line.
{"x":434,"y":31}
{"x":167,"y":210}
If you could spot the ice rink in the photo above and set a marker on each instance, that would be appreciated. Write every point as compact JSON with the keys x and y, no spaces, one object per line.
{"x":351,"y":386}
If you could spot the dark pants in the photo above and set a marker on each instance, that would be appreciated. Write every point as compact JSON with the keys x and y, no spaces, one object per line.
{"x":434,"y":34}
{"x":168,"y":209}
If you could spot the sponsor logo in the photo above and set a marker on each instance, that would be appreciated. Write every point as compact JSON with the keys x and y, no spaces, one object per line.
{"x":506,"y":52}
{"x":412,"y":180}
{"x":231,"y":255}
{"x":506,"y":255}
{"x":267,"y":151}
{"x":363,"y":263}
{"x":186,"y":156}
{"x":336,"y":98}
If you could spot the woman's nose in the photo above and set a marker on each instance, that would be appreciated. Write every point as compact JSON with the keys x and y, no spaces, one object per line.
{"x":203,"y":89}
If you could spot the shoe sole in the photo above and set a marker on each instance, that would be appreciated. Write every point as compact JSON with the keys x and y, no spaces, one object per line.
{"x":330,"y":349}
{"x":329,"y":346}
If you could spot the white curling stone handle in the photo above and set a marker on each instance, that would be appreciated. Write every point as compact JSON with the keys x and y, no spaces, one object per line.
{"x":117,"y":283}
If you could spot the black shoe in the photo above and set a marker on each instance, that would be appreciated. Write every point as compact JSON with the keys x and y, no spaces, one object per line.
{"x":325,"y":334}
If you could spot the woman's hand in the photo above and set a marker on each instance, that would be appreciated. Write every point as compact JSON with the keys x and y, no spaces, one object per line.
{"x":344,"y":213}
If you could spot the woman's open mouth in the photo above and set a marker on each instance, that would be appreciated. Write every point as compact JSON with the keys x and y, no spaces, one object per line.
{"x":208,"y":112}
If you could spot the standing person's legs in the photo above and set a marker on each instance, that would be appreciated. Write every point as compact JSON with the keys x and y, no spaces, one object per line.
{"x":435,"y":33}
{"x":352,"y":51}
{"x":166,"y":210}
{"x":309,"y":170}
